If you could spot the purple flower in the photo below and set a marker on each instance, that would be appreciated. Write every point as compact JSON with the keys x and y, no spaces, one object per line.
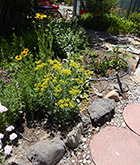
{"x":10,"y":128}
{"x":1,"y":136}
{"x":63,"y":62}
{"x":3,"y":108}
{"x":13,"y":136}
{"x":7,"y":149}
{"x":87,"y":61}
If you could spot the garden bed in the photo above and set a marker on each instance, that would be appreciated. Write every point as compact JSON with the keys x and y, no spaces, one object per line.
{"x":33,"y":127}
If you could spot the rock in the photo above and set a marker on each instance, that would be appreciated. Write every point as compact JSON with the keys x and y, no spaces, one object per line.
{"x":113,"y":95}
{"x":46,"y":152}
{"x":73,"y":138}
{"x":101,"y":110}
{"x":13,"y":163}
{"x":85,"y":119}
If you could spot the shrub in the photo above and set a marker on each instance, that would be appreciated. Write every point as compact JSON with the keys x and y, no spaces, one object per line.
{"x":60,"y":86}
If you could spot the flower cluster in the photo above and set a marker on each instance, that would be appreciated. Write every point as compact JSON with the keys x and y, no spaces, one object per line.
{"x":65,"y":103}
{"x":60,"y":86}
{"x":8,"y":148}
{"x":23,"y":54}
{"x":74,"y":91}
{"x":40,"y":16}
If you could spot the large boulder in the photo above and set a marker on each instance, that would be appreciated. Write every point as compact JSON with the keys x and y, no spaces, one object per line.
{"x":101,"y":110}
{"x":46,"y":152}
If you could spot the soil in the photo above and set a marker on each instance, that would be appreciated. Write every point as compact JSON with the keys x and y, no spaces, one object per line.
{"x":34,"y":127}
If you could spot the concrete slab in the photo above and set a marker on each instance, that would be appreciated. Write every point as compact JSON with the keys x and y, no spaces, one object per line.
{"x":115,"y":146}
{"x":131,"y":115}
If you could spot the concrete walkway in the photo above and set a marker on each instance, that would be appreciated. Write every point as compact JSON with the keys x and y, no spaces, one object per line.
{"x":119,"y":146}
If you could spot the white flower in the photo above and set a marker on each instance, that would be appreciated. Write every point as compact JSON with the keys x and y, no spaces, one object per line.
{"x":3,"y":108}
{"x":1,"y":136}
{"x":13,"y":136}
{"x":7,"y":149}
{"x":10,"y":128}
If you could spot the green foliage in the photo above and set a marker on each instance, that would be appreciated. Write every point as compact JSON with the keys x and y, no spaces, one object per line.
{"x":9,"y":97}
{"x":67,"y":35}
{"x":101,"y":65}
{"x":119,"y":24}
{"x":19,"y":94}
{"x":100,"y":7}
{"x":59,"y":91}
{"x":9,"y":49}
{"x":114,"y":22}
{"x":135,"y":17}
{"x":26,"y":74}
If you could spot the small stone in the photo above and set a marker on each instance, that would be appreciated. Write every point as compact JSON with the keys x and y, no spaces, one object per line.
{"x":73,"y":161}
{"x":88,"y":161}
{"x":123,"y":124}
{"x":84,"y":139}
{"x":85,"y":146}
{"x":87,"y":157}
{"x":107,"y":123}
{"x":112,"y":95}
{"x":84,"y":155}
{"x":97,"y":129}
{"x":84,"y":161}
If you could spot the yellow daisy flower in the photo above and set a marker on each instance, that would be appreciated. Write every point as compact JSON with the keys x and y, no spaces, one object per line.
{"x":18,"y":57}
{"x":24,"y":53}
{"x":26,"y":50}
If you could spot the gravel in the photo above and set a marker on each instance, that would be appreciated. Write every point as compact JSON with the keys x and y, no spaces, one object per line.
{"x":81,"y":155}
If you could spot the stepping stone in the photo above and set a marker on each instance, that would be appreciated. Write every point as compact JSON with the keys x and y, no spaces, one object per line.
{"x":115,"y":146}
{"x":131,"y":115}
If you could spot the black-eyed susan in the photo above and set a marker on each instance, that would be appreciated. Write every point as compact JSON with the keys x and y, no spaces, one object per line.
{"x":18,"y":57}
{"x":37,"y":16}
{"x":26,"y":50}
{"x":24,"y":53}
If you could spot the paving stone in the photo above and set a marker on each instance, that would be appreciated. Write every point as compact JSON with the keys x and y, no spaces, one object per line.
{"x":131,"y":116}
{"x":115,"y":146}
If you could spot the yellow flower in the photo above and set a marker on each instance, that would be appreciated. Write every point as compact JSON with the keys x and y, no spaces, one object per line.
{"x":71,"y":104}
{"x":41,"y":94}
{"x":51,"y":62}
{"x":57,"y":90}
{"x":67,"y":72}
{"x":66,"y":104}
{"x":49,"y":17}
{"x":36,"y":88}
{"x":18,"y":57}
{"x":57,"y":67}
{"x":42,"y":89}
{"x":61,"y":106}
{"x":74,"y":64}
{"x":54,"y":80}
{"x":26,"y":50}
{"x":37,"y":62}
{"x":24,"y":53}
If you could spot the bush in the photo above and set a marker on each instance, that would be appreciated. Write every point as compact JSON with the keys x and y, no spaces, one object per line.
{"x":100,"y":7}
{"x":119,"y":23}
